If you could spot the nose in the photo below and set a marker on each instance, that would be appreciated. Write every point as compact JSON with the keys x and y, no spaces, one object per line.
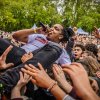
{"x":51,"y":29}
{"x":75,"y":51}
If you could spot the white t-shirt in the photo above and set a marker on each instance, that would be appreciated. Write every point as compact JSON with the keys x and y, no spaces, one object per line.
{"x":36,"y":41}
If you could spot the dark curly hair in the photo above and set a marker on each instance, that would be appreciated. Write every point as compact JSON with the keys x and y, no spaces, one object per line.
{"x":67,"y":33}
{"x":81,"y":46}
{"x":92,"y":47}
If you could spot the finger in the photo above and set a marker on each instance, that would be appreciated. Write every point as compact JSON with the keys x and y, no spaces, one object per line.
{"x":26,"y":76}
{"x":10,"y":65}
{"x":28,"y":72}
{"x":21,"y":75}
{"x":4,"y":55}
{"x":40,"y":66}
{"x":60,"y":68}
{"x":56,"y":68}
{"x":70,"y":73}
{"x":55,"y":73}
{"x":98,"y":72}
{"x":65,"y":65}
{"x":67,"y":71}
{"x":24,"y":70}
{"x":33,"y":67}
{"x":30,"y":54}
{"x":72,"y":67}
{"x":29,"y":78}
{"x":77,"y":65}
{"x":33,"y":81}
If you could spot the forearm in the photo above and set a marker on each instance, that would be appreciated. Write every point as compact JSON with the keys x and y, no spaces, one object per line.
{"x":19,"y":35}
{"x":15,"y":93}
{"x":90,"y":95}
{"x":66,"y":86}
{"x":58,"y":93}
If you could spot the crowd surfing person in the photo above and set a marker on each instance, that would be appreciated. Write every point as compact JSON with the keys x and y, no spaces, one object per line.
{"x":35,"y":41}
{"x":46,"y":55}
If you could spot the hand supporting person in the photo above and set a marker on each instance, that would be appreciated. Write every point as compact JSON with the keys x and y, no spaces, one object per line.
{"x":3,"y":64}
{"x":26,"y":57}
{"x":24,"y":79}
{"x":60,"y":77}
{"x":40,"y":77}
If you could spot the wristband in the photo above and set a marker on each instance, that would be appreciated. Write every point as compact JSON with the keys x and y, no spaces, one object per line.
{"x":34,"y":30}
{"x":51,"y":86}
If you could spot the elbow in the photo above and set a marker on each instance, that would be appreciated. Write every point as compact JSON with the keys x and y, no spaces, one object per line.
{"x":15,"y":36}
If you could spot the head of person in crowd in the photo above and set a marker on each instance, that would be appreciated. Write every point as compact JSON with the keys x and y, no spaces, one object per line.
{"x":98,"y":54}
{"x":92,"y":47}
{"x":87,"y":53}
{"x":90,"y":64}
{"x":78,"y":51}
{"x":58,"y":33}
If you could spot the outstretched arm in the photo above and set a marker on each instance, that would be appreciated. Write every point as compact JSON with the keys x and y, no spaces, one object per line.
{"x":22,"y":35}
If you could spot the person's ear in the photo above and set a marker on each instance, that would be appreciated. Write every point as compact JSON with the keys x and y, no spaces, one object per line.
{"x":60,"y":37}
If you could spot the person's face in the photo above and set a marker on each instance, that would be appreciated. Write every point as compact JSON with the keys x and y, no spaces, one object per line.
{"x":55,"y":33}
{"x":77,"y":52}
{"x":84,"y":55}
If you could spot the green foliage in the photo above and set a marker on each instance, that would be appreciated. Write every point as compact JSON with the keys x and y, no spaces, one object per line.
{"x":86,"y":23}
{"x":82,"y":13}
{"x":19,"y":14}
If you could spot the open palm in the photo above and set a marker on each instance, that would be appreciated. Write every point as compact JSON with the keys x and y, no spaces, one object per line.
{"x":3,"y":64}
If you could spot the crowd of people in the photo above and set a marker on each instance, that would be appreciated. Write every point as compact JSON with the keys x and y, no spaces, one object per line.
{"x":51,"y":64}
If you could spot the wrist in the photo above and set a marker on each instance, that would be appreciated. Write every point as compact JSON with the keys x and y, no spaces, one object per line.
{"x":16,"y":88}
{"x":90,"y":96}
{"x":49,"y":84}
{"x":66,"y":87}
{"x":15,"y":93}
{"x":34,"y":30}
{"x":53,"y":84}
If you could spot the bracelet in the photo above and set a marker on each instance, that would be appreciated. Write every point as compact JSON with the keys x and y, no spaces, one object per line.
{"x":34,"y":30}
{"x":51,"y":86}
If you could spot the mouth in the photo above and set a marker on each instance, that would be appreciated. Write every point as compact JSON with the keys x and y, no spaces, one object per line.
{"x":75,"y":55}
{"x":50,"y":33}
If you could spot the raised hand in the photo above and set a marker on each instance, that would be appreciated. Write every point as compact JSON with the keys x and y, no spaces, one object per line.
{"x":98,"y":74}
{"x":60,"y":77}
{"x":40,"y":77}
{"x":26,"y":57}
{"x":24,"y":79}
{"x":3,"y":64}
{"x":96,"y":32}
